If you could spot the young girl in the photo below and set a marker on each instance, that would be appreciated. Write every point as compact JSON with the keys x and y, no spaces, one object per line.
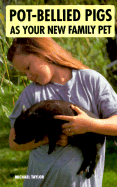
{"x":56,"y":75}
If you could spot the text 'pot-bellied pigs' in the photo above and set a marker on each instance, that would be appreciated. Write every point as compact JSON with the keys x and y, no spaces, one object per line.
{"x":38,"y":121}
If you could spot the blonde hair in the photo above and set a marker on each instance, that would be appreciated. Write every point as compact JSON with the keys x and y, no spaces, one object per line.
{"x":45,"y":48}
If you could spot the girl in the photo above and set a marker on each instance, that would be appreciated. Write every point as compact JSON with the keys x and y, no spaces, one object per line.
{"x":56,"y":75}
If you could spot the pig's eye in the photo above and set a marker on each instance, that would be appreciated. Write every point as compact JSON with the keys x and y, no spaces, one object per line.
{"x":28,"y":68}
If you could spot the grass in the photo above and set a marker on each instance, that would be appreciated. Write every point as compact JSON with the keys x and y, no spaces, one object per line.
{"x":110,"y":172}
{"x":15,"y":163}
{"x":11,"y":163}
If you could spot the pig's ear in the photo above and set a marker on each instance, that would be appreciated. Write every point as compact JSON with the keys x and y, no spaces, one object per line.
{"x":23,"y":108}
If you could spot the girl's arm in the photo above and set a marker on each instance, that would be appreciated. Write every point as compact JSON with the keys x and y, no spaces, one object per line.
{"x":82,"y":123}
{"x":31,"y":145}
{"x":27,"y":146}
{"x":104,"y":126}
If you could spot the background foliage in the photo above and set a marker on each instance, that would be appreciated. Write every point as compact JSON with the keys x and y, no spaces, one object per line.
{"x":91,"y":51}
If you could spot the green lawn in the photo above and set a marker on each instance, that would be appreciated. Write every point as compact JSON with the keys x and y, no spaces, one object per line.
{"x":110,"y":171}
{"x":15,"y":163}
{"x":11,"y":162}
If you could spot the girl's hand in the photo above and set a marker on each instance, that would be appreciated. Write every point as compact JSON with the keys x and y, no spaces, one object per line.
{"x":77,"y":124}
{"x":45,"y":140}
{"x":63,"y":141}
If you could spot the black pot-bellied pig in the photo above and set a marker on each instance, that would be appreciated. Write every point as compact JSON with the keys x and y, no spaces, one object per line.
{"x":38,"y":121}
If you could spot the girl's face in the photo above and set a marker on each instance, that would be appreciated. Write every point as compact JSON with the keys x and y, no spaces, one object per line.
{"x":35,"y":68}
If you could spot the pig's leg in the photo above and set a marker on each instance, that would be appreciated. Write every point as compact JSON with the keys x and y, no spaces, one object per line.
{"x":54,"y":133}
